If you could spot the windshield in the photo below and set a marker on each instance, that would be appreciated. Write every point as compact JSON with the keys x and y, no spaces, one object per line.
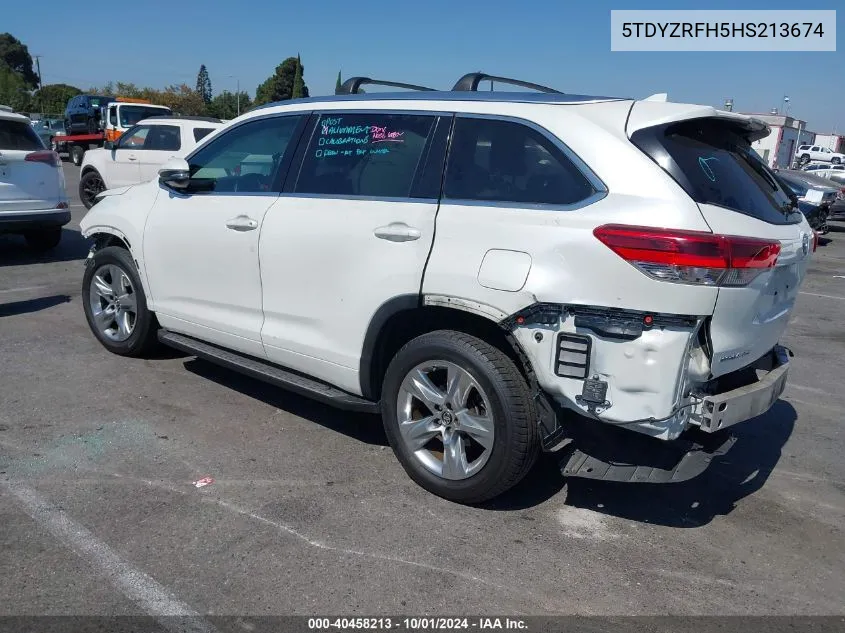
{"x":131,"y":114}
{"x":715,"y":164}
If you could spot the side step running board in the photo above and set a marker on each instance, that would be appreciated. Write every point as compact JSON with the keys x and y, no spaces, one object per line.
{"x":263,"y":370}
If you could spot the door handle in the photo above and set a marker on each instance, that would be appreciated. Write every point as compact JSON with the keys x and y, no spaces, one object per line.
{"x":242,"y":223}
{"x":132,"y":157}
{"x":397,"y":232}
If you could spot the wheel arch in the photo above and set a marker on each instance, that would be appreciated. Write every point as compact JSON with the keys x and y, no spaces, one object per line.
{"x":405,"y":317}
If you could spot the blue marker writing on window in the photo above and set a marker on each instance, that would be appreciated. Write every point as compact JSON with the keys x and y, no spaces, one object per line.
{"x":705,"y":167}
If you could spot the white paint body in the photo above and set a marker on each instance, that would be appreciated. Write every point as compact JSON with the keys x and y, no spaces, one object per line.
{"x":26,"y":186}
{"x":123,"y":166}
{"x":302,"y":288}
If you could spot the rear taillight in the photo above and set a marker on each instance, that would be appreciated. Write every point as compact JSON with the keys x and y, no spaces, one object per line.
{"x":691,"y":257}
{"x":44,"y":156}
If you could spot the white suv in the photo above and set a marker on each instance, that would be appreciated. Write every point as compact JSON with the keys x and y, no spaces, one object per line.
{"x":494,"y":273}
{"x":808,"y":153}
{"x":139,"y":152}
{"x":33,"y":201}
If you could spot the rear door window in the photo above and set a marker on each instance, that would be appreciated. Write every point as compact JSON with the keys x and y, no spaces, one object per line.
{"x":506,"y":161}
{"x":715,"y":164}
{"x":164,"y":138}
{"x":18,"y":135}
{"x":372,"y":155}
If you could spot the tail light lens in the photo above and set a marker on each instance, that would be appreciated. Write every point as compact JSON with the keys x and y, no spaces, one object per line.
{"x":691,"y":257}
{"x":44,"y":156}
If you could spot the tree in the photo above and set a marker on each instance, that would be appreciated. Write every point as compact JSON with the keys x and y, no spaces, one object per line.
{"x":204,"y":84}
{"x":225,"y":104}
{"x":15,"y":55}
{"x":279,"y":86}
{"x":181,"y":99}
{"x":298,"y":84}
{"x":13,"y":90}
{"x":338,"y":83}
{"x":53,"y":98}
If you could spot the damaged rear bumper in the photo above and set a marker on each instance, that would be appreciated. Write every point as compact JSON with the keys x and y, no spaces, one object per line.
{"x":721,"y":410}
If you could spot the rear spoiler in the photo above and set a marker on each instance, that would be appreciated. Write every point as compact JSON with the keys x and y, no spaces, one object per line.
{"x":652,"y":113}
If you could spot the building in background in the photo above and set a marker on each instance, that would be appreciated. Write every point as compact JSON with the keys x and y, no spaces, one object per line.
{"x":778,"y":148}
{"x":833,"y":142}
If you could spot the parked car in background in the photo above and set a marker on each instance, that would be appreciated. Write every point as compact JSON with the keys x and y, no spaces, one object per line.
{"x":33,"y":202}
{"x":810,"y":188}
{"x":492,"y":272}
{"x":808,"y":153}
{"x":83,"y":114}
{"x":47,"y":129}
{"x":136,"y":156}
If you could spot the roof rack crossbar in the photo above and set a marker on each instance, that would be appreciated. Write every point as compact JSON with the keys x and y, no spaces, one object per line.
{"x":351,"y":86}
{"x":470,"y":81}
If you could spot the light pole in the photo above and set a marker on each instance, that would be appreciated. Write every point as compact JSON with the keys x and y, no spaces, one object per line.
{"x":786,"y":105}
{"x":729,"y":104}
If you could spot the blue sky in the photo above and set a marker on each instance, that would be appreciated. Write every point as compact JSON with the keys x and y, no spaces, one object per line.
{"x":562,"y":43}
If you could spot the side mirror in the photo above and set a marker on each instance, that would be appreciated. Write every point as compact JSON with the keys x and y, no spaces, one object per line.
{"x":109,"y":145}
{"x":175,"y":174}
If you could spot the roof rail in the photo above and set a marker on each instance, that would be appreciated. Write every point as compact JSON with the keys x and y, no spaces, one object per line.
{"x":470,"y":81}
{"x":351,"y":86}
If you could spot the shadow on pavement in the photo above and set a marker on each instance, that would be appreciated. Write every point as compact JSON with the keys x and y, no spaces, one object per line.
{"x":359,"y":426}
{"x":15,"y":252}
{"x":32,"y":305}
{"x":730,"y":478}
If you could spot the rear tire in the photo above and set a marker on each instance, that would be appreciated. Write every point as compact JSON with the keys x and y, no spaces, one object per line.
{"x":43,"y":239}
{"x":486,"y":422}
{"x":115,"y":304}
{"x":92,"y":125}
{"x":77,"y":153}
{"x":836,"y":160}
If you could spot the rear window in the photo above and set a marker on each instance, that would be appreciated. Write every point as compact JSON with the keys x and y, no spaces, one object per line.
{"x":201,"y":132}
{"x":17,"y":135}
{"x":130,"y":115}
{"x":716,"y":165}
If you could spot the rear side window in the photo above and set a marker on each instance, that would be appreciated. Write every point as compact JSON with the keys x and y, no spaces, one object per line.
{"x":364,"y":154}
{"x":18,"y":135}
{"x":716,"y":165}
{"x":201,"y":132}
{"x":505,"y":161}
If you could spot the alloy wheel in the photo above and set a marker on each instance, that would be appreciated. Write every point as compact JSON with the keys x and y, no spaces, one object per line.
{"x":113,"y":302}
{"x":445,"y":419}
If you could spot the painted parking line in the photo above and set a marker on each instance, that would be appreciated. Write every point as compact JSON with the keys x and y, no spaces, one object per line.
{"x":24,"y":289}
{"x":816,"y":294}
{"x":133,"y":583}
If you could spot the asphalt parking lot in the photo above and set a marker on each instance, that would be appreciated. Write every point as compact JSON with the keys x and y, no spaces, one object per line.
{"x":310,"y":513}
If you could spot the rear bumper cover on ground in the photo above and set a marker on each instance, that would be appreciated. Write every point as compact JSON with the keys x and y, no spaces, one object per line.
{"x":33,"y":220}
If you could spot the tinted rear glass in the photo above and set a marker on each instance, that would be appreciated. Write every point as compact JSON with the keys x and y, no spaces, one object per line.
{"x":716,"y":165}
{"x":17,"y":135}
{"x":201,"y":132}
{"x":130,"y":115}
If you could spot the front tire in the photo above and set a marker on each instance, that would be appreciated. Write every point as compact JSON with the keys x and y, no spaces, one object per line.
{"x":90,"y":185}
{"x":459,"y":416}
{"x":805,"y":160}
{"x":115,"y":304}
{"x":43,"y":239}
{"x":836,"y":160}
